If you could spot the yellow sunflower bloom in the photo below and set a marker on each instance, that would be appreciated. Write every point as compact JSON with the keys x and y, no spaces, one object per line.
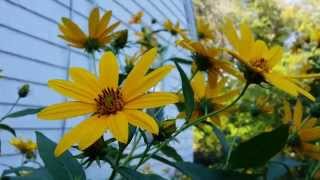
{"x":174,"y":29}
{"x":260,"y":60}
{"x":305,"y":131}
{"x":205,"y":31}
{"x":27,"y":147}
{"x":206,"y":60}
{"x":210,"y":98}
{"x":99,"y":32}
{"x":136,"y":18}
{"x":111,"y":107}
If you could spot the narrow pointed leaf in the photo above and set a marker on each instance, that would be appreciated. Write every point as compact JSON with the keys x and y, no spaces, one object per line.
{"x":187,"y":92}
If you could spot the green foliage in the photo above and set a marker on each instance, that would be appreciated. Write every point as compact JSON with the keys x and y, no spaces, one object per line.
{"x":258,"y":150}
{"x":171,"y":152}
{"x":22,"y":113}
{"x":199,"y":172}
{"x":187,"y":92}
{"x":131,"y":174}
{"x":64,"y":167}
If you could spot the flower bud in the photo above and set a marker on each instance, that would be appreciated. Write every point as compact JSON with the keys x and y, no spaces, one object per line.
{"x":24,"y":91}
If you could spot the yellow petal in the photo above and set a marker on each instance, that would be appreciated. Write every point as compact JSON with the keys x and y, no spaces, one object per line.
{"x":274,"y":56}
{"x":310,"y":147}
{"x":104,"y":23}
{"x":305,"y":76}
{"x":71,"y":35}
{"x":66,"y":110}
{"x":119,"y":127}
{"x":96,"y":130}
{"x":287,"y":112}
{"x":260,"y":48}
{"x":139,"y":69}
{"x":143,"y":84}
{"x":297,"y":115}
{"x":281,"y":83}
{"x":93,"y":22}
{"x":310,"y":123}
{"x":225,"y":97}
{"x":152,"y":100}
{"x":199,"y":85}
{"x":213,"y":76}
{"x":74,"y":28}
{"x":76,"y":43}
{"x":231,"y":34}
{"x":84,"y":78}
{"x":109,"y":29}
{"x":74,"y":135}
{"x":310,"y":134}
{"x":229,"y":68}
{"x":247,"y":40}
{"x":71,"y":90}
{"x":142,"y":120}
{"x":109,"y":71}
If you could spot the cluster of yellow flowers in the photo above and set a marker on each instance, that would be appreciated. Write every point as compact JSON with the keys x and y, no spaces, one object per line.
{"x":112,"y":105}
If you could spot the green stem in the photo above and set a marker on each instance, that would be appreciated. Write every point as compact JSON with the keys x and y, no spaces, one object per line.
{"x":229,"y":153}
{"x":93,"y":61}
{"x":197,"y":121}
{"x":143,"y":156}
{"x":134,"y":146}
{"x":115,"y":166}
{"x":11,"y":109}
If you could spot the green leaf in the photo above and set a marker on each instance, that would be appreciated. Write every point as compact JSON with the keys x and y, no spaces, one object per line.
{"x":258,"y":150}
{"x":38,"y":174}
{"x":171,"y":152}
{"x":17,"y":170}
{"x":24,"y":112}
{"x":64,"y":167}
{"x":222,"y":139}
{"x":131,"y":174}
{"x":7,"y":128}
{"x":199,"y":172}
{"x":181,"y":60}
{"x":187,"y":92}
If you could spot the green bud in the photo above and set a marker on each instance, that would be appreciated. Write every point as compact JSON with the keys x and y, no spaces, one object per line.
{"x":153,"y":21}
{"x":24,"y":91}
{"x":121,"y":40}
{"x":167,"y":128}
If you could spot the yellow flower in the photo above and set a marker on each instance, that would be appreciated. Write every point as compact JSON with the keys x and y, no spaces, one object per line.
{"x":27,"y":147}
{"x":210,"y":98}
{"x":174,"y":29}
{"x":99,"y":32}
{"x":136,"y":18}
{"x":206,"y":60}
{"x":315,"y":35}
{"x":111,"y":107}
{"x":306,"y":131}
{"x":260,"y":60}
{"x":205,"y":31}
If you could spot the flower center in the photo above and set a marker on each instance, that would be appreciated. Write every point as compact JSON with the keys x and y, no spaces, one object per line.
{"x":261,"y":64}
{"x":203,"y":62}
{"x":91,"y":45}
{"x":109,"y":101}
